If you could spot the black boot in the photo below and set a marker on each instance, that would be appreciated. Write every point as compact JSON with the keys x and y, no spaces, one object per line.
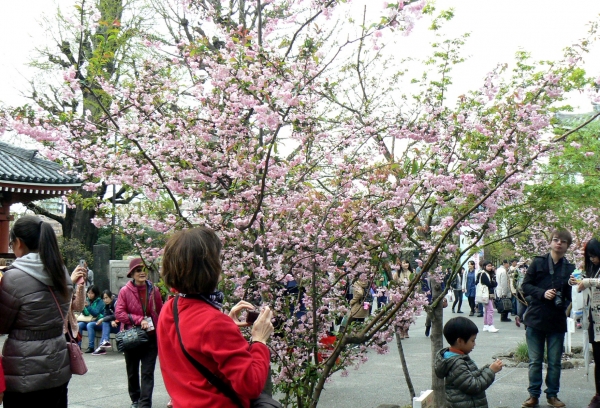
{"x":427,"y":330}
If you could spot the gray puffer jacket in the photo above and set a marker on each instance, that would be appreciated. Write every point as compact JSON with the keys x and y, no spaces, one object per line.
{"x":465,"y":383}
{"x":35,"y":355}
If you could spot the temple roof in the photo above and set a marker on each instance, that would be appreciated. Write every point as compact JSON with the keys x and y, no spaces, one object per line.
{"x":21,"y":166}
{"x":572,"y":120}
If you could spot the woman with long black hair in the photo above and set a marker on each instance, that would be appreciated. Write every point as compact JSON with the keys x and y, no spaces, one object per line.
{"x":35,"y":356}
{"x":591,"y":314}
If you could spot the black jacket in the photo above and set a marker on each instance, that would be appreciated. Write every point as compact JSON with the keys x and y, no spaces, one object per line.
{"x":543,"y":314}
{"x":109,"y":311}
{"x":491,"y":283}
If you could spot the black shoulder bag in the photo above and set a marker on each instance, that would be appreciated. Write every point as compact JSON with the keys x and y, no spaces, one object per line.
{"x":263,"y":401}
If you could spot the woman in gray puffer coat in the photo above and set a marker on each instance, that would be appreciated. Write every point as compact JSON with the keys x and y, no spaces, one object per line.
{"x":35,"y":355}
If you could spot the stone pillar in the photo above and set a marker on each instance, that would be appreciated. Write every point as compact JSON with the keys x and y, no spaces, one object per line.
{"x":5,"y":219}
{"x":100,"y":268}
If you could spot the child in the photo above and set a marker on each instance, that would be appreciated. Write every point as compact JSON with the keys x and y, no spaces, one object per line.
{"x":465,"y":384}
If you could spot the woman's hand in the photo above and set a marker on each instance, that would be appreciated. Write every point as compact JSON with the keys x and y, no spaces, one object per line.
{"x":263,"y":328}
{"x":580,"y":286}
{"x":78,"y":273}
{"x":113,"y":323}
{"x":237,"y":309}
{"x":144,"y":325}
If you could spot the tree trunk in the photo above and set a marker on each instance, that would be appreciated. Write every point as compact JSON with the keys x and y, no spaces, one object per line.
{"x":411,"y":389}
{"x":437,"y":322}
{"x":78,"y":223}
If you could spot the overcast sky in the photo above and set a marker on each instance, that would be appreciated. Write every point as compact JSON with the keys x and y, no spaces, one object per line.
{"x":498,"y":29}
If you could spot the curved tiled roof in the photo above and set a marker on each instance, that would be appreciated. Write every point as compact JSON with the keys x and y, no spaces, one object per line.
{"x":20,"y":165}
{"x":572,"y":120}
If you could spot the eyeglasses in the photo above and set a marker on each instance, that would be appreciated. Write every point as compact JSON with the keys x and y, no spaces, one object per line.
{"x":557,"y":240}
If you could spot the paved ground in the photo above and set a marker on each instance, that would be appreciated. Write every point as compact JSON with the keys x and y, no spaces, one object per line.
{"x":379,"y":381}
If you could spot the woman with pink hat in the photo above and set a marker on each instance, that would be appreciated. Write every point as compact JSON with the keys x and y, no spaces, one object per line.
{"x":139,"y":305}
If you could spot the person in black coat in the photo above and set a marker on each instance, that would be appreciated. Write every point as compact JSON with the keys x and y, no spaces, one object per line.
{"x":546,"y":288}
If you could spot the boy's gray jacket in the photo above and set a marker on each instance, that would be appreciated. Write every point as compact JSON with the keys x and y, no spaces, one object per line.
{"x":465,"y":383}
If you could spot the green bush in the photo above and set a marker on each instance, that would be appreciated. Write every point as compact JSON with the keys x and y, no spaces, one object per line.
{"x":522,"y":353}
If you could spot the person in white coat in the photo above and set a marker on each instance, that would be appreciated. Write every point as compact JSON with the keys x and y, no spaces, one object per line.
{"x":503,"y":288}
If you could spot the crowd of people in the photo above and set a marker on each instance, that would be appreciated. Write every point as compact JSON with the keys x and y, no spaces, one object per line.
{"x":42,"y":307}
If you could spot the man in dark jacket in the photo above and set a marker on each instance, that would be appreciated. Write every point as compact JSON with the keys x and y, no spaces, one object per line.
{"x":548,"y":293}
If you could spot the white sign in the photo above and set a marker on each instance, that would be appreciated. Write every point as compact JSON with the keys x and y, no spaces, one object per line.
{"x":425,"y":400}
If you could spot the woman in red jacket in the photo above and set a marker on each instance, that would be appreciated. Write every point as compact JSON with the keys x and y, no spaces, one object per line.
{"x":139,"y":305}
{"x":192,"y":267}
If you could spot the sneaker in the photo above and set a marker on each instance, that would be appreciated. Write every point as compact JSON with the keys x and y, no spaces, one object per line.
{"x":506,"y":320}
{"x":492,"y":329}
{"x":532,"y":402}
{"x":170,"y":404}
{"x":471,"y":314}
{"x":555,"y":402}
{"x":459,"y":312}
{"x":89,"y":350}
{"x":106,"y":345}
{"x":134,"y":404}
{"x":99,"y":351}
{"x":479,"y":315}
{"x":485,"y":327}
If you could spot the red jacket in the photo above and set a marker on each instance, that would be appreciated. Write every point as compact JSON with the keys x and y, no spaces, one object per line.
{"x":129,"y":304}
{"x":213,"y":339}
{"x":2,"y":382}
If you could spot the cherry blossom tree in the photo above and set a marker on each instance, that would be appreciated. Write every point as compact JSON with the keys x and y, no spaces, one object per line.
{"x":291,"y":128}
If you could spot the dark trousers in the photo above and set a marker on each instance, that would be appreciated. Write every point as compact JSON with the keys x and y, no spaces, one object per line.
{"x":52,"y":398}
{"x":596,"y":352}
{"x":146,"y":355}
{"x":458,"y":295}
{"x":472,"y":303}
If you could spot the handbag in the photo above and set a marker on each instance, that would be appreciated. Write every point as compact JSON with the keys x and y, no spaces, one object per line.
{"x":263,"y":401}
{"x":482,"y":293}
{"x":76,"y":361}
{"x":131,"y":338}
{"x":503,"y":304}
{"x":85,"y":319}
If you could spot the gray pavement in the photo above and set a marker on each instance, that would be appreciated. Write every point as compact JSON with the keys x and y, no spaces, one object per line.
{"x":379,"y":381}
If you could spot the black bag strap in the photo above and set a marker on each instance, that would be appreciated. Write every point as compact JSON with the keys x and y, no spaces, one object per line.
{"x":551,"y":268}
{"x":213,"y":379}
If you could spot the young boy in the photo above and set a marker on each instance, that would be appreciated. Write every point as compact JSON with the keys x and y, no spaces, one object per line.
{"x":465,"y":383}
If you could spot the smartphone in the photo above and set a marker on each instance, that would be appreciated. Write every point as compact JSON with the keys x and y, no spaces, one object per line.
{"x":81,"y":280}
{"x":251,"y":316}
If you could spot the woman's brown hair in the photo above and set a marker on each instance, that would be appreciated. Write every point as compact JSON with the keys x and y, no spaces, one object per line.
{"x":191,"y":261}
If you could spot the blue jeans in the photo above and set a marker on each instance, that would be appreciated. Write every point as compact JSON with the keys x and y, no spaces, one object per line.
{"x":536,"y":339}
{"x":91,"y":328}
{"x":107,"y":329}
{"x":480,"y":308}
